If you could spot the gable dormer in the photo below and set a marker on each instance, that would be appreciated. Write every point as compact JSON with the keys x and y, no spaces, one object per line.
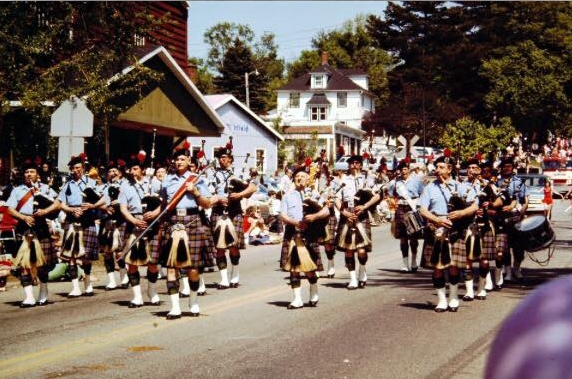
{"x":319,"y":77}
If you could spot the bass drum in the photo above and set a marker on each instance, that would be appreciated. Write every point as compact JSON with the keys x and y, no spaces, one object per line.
{"x":533,"y":234}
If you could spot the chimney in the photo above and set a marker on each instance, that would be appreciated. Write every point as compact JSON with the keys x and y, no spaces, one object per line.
{"x":192,"y":72}
{"x":324,"y":58}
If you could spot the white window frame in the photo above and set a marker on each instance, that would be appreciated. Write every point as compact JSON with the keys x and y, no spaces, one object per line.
{"x":294,"y":100}
{"x":260,"y":160}
{"x":319,"y":81}
{"x":342,"y":99}
{"x":318,"y":113}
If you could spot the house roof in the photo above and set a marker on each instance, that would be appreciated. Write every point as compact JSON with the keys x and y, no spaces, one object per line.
{"x":338,"y":81}
{"x":217,"y":101}
{"x":151,"y":55}
{"x":318,"y":99}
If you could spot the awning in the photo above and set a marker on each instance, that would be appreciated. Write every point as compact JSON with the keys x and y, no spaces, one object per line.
{"x":319,"y":99}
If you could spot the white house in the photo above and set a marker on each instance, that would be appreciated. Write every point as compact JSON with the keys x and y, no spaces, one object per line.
{"x":329,"y":102}
{"x":255,"y":144}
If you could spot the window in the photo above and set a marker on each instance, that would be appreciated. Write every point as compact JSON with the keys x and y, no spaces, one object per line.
{"x":319,"y":81}
{"x":260,"y":166}
{"x":295,"y":100}
{"x":318,"y":113}
{"x":342,"y":99}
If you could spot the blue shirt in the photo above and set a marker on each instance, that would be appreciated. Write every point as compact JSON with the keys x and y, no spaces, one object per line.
{"x":19,"y":192}
{"x":436,"y":195}
{"x":71,"y":192}
{"x":292,"y":205}
{"x":516,"y":188}
{"x":131,"y":194}
{"x":412,"y":187}
{"x":173,"y":182}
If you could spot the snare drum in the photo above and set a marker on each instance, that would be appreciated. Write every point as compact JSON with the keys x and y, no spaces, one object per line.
{"x":533,"y":234}
{"x":414,"y":224}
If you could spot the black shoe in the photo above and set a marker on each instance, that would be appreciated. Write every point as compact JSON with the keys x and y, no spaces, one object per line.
{"x":193,"y":314}
{"x":331,"y":276}
{"x":361,"y":284}
{"x":351,"y":288}
{"x":440,"y":310}
{"x":468,"y":298}
{"x":183,"y":295}
{"x":156,"y":304}
{"x":414,"y":269}
{"x":172,"y":317}
{"x":88,"y":294}
{"x":73,"y":296}
{"x":233,"y":285}
{"x":480,"y":297}
{"x":42,"y":303}
{"x":123,"y":286}
{"x":111,"y":288}
{"x":290,"y":306}
{"x":453,"y":309}
{"x":135,"y":305}
{"x":221,"y":287}
{"x":27,"y":305}
{"x":201,"y":293}
{"x":313,"y":303}
{"x":497,"y":287}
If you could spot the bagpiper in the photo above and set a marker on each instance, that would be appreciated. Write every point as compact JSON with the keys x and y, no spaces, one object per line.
{"x":80,"y":202}
{"x":30,"y":204}
{"x":227,"y":217}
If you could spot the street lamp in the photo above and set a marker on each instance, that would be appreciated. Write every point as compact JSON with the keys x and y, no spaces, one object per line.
{"x":246,"y":75}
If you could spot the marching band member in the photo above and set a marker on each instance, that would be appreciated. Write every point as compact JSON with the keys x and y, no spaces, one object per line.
{"x":139,"y":209}
{"x":300,"y":248}
{"x":79,"y":201}
{"x":227,"y":217}
{"x":405,"y":188}
{"x":187,"y":246}
{"x":448,"y":213}
{"x":354,"y":228}
{"x":112,"y":226}
{"x":36,"y":254}
{"x":492,"y":210}
{"x":517,"y":204}
{"x":330,"y":239}
{"x":479,"y":240}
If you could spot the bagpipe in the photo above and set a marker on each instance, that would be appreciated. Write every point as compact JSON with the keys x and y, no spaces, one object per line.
{"x":73,"y":246}
{"x":224,"y":233}
{"x":43,"y":201}
{"x":109,"y":235}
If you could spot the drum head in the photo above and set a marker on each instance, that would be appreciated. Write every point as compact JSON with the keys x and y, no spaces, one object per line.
{"x":530,"y":223}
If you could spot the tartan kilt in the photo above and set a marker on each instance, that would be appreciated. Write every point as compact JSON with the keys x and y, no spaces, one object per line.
{"x":198,"y":253}
{"x":238,"y":222}
{"x":367,"y":225}
{"x":313,"y":248}
{"x":49,"y":250}
{"x":90,"y":240}
{"x":501,"y":244}
{"x":458,"y":251}
{"x":400,"y":229}
{"x":489,"y":251}
{"x":331,"y":230}
{"x":155,"y":233}
{"x":122,"y":236}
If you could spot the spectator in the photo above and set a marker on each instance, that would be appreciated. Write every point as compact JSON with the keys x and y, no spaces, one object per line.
{"x":274,"y":206}
{"x":547,"y":200}
{"x":285,"y":184}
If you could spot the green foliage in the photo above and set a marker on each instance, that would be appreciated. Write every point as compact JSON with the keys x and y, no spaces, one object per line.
{"x":466,"y":136}
{"x":233,"y":53}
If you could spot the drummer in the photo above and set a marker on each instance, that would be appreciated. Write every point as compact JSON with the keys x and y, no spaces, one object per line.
{"x":405,"y":188}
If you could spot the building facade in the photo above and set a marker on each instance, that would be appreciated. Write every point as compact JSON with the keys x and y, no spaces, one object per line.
{"x":255,"y":145}
{"x":327,"y":104}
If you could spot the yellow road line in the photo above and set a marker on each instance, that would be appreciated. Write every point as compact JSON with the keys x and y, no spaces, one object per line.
{"x":83,"y":346}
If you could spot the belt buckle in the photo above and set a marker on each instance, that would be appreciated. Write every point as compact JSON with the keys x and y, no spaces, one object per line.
{"x":181,"y":212}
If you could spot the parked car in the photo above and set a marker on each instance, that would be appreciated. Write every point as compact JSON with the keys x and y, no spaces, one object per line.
{"x":535,"y":186}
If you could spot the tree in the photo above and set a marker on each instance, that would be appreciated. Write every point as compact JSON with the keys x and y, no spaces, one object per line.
{"x":466,"y":137}
{"x":51,"y":50}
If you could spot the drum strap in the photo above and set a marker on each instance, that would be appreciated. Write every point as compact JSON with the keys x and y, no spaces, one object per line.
{"x":405,"y":195}
{"x":25,"y":199}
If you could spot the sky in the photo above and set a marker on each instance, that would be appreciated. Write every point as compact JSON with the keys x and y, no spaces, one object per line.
{"x":293,"y":23}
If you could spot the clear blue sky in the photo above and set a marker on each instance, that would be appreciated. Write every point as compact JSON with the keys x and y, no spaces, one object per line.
{"x":293,"y":23}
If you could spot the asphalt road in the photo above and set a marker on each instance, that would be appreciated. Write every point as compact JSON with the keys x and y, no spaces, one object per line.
{"x":387,"y":330}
